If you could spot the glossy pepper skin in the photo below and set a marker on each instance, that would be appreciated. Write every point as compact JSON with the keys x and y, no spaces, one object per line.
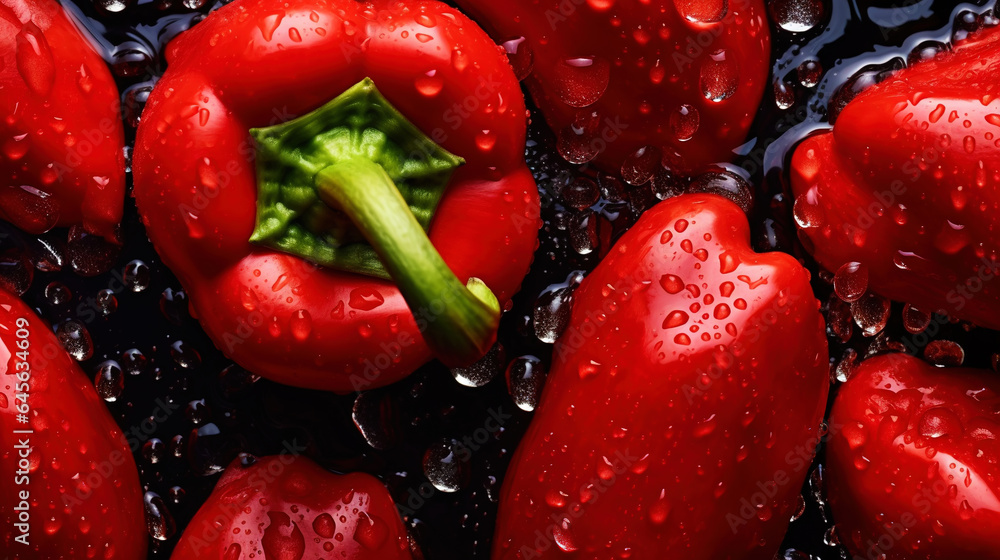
{"x":277,"y":314}
{"x":287,"y":506}
{"x":912,"y":461}
{"x":906,"y":184}
{"x":692,"y":378}
{"x":61,"y":143}
{"x":83,"y":496}
{"x":611,"y":78}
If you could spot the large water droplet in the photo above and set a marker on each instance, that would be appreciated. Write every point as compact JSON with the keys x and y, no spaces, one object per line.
{"x":525,"y":380}
{"x":797,"y":16}
{"x":702,"y":11}
{"x":159,"y":522}
{"x":580,"y":82}
{"x":75,"y":338}
{"x":871,"y":312}
{"x":944,"y":353}
{"x":136,"y":276}
{"x":484,"y":370}
{"x":446,"y":465}
{"x":851,"y":281}
{"x":719,"y":76}
{"x":109,"y":381}
{"x":553,"y":308}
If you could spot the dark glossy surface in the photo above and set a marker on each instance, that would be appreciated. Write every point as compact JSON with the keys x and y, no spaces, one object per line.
{"x":213,"y":410}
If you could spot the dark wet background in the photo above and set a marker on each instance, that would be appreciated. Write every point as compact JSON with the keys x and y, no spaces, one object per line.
{"x":135,"y":314}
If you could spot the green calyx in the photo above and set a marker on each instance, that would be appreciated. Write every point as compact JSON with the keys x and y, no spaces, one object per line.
{"x":353,"y":186}
{"x":358,"y":123}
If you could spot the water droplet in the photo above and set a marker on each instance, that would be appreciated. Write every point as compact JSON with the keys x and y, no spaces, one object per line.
{"x":640,"y":166}
{"x":484,"y":370}
{"x":159,"y":522}
{"x":939,"y":422}
{"x":185,"y":355}
{"x":809,"y":73}
{"x":444,"y":466}
{"x":581,"y":193}
{"x":719,"y":76}
{"x":75,"y":338}
{"x":154,"y":450}
{"x":269,"y":24}
{"x":562,"y":534}
{"x":725,"y":182}
{"x":684,"y":122}
{"x":365,"y":299}
{"x":300,"y":324}
{"x":325,"y":526}
{"x":90,"y":255}
{"x":133,"y":361}
{"x":702,"y":11}
{"x":525,"y":380}
{"x":580,"y":82}
{"x":429,"y":84}
{"x":109,"y":381}
{"x":871,"y":313}
{"x":806,"y":210}
{"x":553,"y":308}
{"x":915,"y":320}
{"x":851,"y":281}
{"x":797,"y":16}
{"x":520,"y":56}
{"x":944,"y":353}
{"x":485,"y":140}
{"x":136,"y":276}
{"x":671,"y":283}
{"x":675,"y":319}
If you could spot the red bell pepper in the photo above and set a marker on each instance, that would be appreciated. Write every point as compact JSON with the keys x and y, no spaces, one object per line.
{"x":684,"y":403}
{"x":913,"y":463}
{"x":71,"y":489}
{"x":350,"y":185}
{"x":286,"y":506}
{"x":62,"y":135}
{"x":628,"y":84}
{"x":906,"y":185}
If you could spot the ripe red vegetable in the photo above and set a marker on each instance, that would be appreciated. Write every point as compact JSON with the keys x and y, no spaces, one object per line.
{"x":906,"y":185}
{"x":683,"y":408}
{"x":325,"y":190}
{"x":286,"y":506}
{"x":73,"y":490}
{"x":628,"y":84}
{"x":912,"y":463}
{"x":61,"y":142}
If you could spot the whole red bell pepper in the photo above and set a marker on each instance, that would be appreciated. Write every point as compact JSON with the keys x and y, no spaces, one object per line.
{"x":684,"y":404}
{"x":71,"y":489}
{"x":62,"y":139}
{"x":913,"y":463}
{"x":906,"y":185}
{"x":630,"y":84}
{"x":391,"y":99}
{"x":286,"y":506}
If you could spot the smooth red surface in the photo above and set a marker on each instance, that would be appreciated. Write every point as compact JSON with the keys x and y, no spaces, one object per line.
{"x":84,"y":492}
{"x":286,"y":506}
{"x":908,"y":185}
{"x":61,"y":140}
{"x":912,"y":463}
{"x":649,"y":444}
{"x":254,"y":64}
{"x":651,"y":58}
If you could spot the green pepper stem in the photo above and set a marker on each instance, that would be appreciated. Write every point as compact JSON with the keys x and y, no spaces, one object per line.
{"x":461,"y":320}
